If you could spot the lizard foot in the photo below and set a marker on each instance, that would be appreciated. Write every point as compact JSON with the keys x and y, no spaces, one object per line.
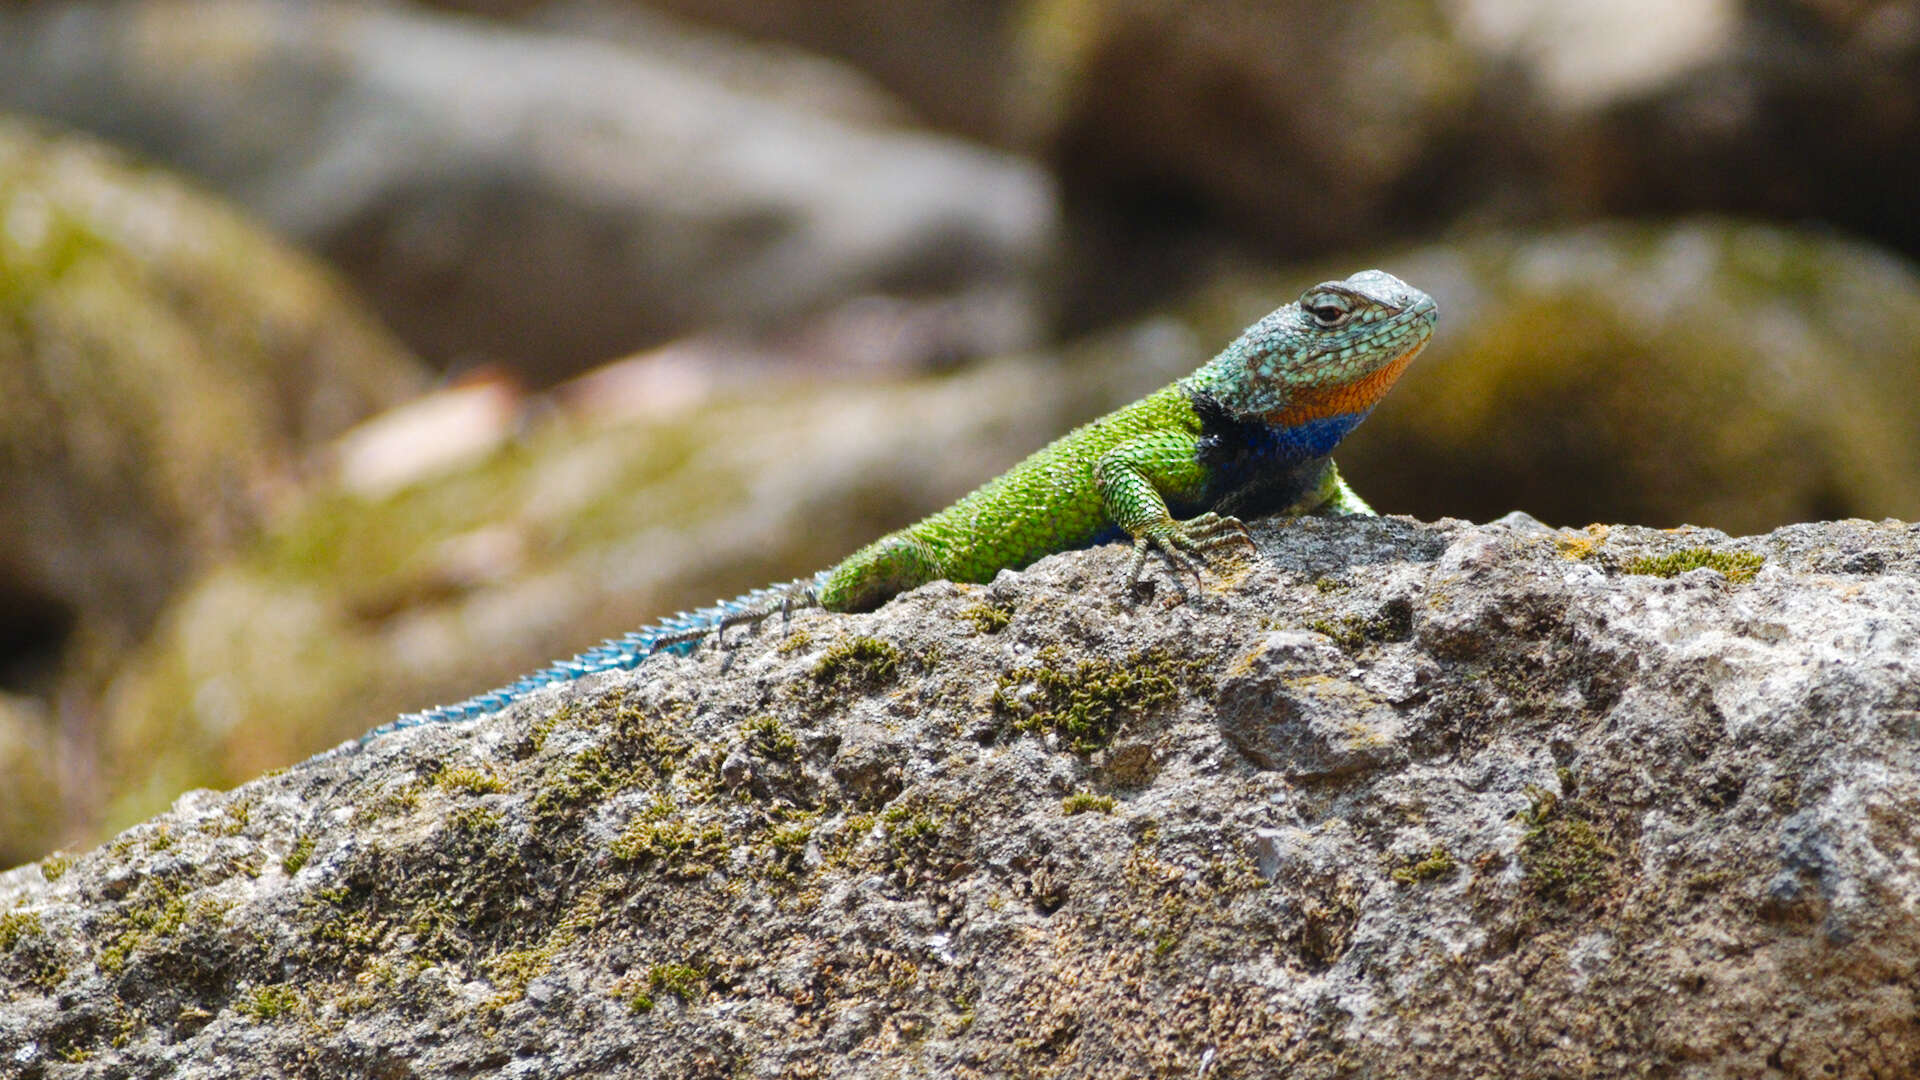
{"x":1183,"y":543}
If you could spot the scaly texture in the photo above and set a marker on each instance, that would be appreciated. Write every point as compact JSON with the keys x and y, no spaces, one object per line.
{"x":1250,"y":432}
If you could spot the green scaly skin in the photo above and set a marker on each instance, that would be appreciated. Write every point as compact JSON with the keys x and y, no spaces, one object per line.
{"x":1122,"y":471}
{"x":1250,"y":432}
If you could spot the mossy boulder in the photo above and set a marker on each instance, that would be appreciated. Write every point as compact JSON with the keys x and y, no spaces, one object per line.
{"x":166,"y":367}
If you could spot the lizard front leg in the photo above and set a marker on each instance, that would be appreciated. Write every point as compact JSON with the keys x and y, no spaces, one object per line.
{"x":1134,"y":481}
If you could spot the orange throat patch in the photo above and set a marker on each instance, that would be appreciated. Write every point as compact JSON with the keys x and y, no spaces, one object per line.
{"x":1360,"y":395}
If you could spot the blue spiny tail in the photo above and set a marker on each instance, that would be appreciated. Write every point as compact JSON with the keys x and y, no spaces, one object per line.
{"x":623,"y":653}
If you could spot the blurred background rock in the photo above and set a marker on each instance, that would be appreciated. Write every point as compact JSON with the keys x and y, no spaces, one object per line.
{"x":713,"y":290}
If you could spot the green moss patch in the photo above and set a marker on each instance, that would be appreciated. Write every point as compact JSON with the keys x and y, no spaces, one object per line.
{"x":861,"y":663}
{"x":512,"y":969}
{"x":469,"y":781}
{"x":786,"y":847}
{"x":679,"y":847}
{"x":1436,"y":864}
{"x":767,"y":737}
{"x":1735,"y":566}
{"x":1566,"y":858}
{"x":16,"y":927}
{"x":1083,"y":802}
{"x":297,"y":855}
{"x":160,"y":913}
{"x":592,"y":776}
{"x":475,"y":820}
{"x":264,"y":1003}
{"x":922,"y":843}
{"x":683,"y":981}
{"x":987,"y":618}
{"x":1393,"y":622}
{"x":1086,"y":705}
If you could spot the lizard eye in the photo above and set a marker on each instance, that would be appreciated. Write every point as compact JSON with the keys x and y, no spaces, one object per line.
{"x":1328,"y":315}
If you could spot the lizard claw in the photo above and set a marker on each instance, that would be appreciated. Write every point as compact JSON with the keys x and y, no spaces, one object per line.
{"x":1167,"y":549}
{"x":1184,"y":543}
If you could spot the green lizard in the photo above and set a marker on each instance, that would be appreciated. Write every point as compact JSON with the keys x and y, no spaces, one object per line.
{"x":1249,"y":433}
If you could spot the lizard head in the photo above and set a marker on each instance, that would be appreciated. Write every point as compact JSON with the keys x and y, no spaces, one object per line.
{"x":1333,"y":354}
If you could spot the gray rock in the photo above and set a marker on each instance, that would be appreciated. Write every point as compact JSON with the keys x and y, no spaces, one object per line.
{"x":1399,"y":798}
{"x":1279,"y":709}
{"x":541,"y":198}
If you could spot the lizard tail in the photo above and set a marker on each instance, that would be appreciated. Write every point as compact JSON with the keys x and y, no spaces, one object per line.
{"x":678,"y":634}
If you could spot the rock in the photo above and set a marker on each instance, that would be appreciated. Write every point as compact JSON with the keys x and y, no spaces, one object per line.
{"x":536,"y":197}
{"x":598,"y":517}
{"x":1652,"y":806}
{"x":1723,"y":373}
{"x":1301,"y":127}
{"x":1279,"y":709}
{"x":165,"y":370}
{"x":1790,"y":111}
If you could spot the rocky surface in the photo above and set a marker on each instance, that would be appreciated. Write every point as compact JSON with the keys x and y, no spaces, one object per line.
{"x":536,"y":197}
{"x":1393,"y":798}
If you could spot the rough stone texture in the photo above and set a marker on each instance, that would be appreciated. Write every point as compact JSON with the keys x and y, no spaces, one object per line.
{"x":540,"y":198}
{"x":1396,"y":799}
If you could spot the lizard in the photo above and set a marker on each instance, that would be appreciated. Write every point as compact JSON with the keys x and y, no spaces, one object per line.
{"x":1250,"y":432}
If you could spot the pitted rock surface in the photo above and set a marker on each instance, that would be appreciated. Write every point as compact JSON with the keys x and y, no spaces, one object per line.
{"x":1397,"y":798}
